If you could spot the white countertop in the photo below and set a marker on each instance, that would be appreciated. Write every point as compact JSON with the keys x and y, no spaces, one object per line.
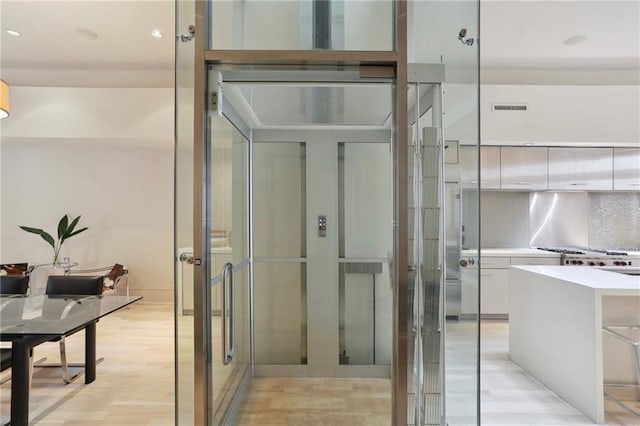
{"x":588,"y":277}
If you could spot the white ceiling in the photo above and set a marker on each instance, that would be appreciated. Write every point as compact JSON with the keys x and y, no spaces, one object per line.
{"x":54,"y":49}
{"x":527,"y":37}
{"x":521,"y":41}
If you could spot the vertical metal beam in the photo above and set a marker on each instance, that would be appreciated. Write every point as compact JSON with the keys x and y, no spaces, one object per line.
{"x":478,"y":207}
{"x":201,"y":289}
{"x":400,"y":289}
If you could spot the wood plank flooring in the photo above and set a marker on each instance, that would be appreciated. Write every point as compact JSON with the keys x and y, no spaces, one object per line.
{"x":135,"y":385}
{"x":317,"y":401}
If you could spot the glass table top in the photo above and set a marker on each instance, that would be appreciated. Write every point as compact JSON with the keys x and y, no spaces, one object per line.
{"x":55,"y":315}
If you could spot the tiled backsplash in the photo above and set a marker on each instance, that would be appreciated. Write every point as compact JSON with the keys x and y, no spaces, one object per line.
{"x":614,"y":220}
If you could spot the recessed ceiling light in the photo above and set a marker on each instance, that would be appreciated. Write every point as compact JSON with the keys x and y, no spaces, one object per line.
{"x":13,"y":32}
{"x":156,"y":34}
{"x":577,"y":39}
{"x":88,"y":34}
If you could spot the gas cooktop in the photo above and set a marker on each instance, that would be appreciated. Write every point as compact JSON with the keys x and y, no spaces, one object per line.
{"x":584,"y":251}
{"x":580,"y":256}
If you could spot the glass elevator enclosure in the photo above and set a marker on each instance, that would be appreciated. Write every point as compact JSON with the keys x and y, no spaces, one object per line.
{"x":320,"y":220}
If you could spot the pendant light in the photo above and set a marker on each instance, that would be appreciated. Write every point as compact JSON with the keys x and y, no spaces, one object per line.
{"x":4,"y":99}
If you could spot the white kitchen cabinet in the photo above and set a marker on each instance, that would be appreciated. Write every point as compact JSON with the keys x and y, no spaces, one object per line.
{"x":494,"y":282}
{"x":469,"y":291}
{"x":581,"y":169}
{"x":489,"y":164}
{"x":626,"y":169}
{"x":523,"y":168}
{"x":494,"y":300}
{"x":494,"y":286}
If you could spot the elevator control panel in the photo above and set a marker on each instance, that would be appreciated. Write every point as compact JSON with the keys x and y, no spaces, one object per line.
{"x":322,"y":226}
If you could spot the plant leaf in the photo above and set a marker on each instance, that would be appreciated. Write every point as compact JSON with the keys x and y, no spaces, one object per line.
{"x":62,"y":226}
{"x":48,"y":238}
{"x":70,"y":229}
{"x":74,"y":233}
{"x":45,"y":236}
{"x":32,"y":230}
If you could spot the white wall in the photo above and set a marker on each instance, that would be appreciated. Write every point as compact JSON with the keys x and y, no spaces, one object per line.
{"x":562,"y":114}
{"x":105,"y":154}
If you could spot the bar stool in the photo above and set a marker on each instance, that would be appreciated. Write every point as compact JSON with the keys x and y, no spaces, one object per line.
{"x":625,"y":333}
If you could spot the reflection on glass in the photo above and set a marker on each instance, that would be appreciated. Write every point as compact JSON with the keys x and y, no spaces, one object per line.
{"x":365,"y":239}
{"x":302,"y":24}
{"x":301,"y":104}
{"x":279,"y":200}
{"x":365,"y":313}
{"x":228,"y":239}
{"x":280,"y":310}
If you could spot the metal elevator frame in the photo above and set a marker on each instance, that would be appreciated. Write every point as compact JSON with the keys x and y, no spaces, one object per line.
{"x":389,"y":64}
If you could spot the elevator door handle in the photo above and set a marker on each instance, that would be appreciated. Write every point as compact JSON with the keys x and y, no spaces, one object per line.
{"x":228,"y":314}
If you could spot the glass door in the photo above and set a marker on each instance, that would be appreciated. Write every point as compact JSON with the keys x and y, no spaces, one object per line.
{"x":228,"y":257}
{"x":184,"y":211}
{"x":443,"y":56}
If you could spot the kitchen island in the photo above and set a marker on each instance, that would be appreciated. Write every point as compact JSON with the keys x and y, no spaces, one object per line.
{"x":556,"y":314}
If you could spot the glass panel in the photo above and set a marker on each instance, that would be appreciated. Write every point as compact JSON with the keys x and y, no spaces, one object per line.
{"x":302,"y":24}
{"x":280,"y":310}
{"x":365,"y":206}
{"x":227,"y":226}
{"x":300,"y":105}
{"x":279,"y":200}
{"x":279,"y":195}
{"x":184,"y":343}
{"x":428,"y":22}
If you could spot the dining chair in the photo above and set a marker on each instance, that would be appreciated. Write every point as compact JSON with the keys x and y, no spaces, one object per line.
{"x":14,"y":284}
{"x":10,"y":285}
{"x":67,"y":285}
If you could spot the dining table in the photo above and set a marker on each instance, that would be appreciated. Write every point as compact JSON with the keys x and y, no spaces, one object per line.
{"x":29,"y":320}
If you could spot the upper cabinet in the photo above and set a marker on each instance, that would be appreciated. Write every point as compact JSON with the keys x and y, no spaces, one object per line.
{"x":581,"y":169}
{"x":526,"y":168}
{"x":523,"y":168}
{"x":489,"y":163}
{"x":626,"y":169}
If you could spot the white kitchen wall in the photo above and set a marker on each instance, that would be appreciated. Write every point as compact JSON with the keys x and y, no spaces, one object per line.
{"x":561,"y":114}
{"x":105,"y":154}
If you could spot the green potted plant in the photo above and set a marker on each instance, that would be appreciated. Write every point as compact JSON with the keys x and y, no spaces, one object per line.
{"x":66,"y":230}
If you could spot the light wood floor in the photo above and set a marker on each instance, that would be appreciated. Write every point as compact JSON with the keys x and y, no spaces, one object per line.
{"x":135,"y":385}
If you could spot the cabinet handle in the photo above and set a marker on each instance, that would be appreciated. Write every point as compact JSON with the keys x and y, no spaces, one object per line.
{"x":522,"y":183}
{"x":578,"y":184}
{"x":634,"y":184}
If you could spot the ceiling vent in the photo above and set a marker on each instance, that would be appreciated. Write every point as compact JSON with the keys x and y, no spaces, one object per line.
{"x":508,"y":107}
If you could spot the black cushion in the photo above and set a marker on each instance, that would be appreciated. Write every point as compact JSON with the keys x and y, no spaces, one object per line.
{"x":14,"y":284}
{"x":74,"y":285}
